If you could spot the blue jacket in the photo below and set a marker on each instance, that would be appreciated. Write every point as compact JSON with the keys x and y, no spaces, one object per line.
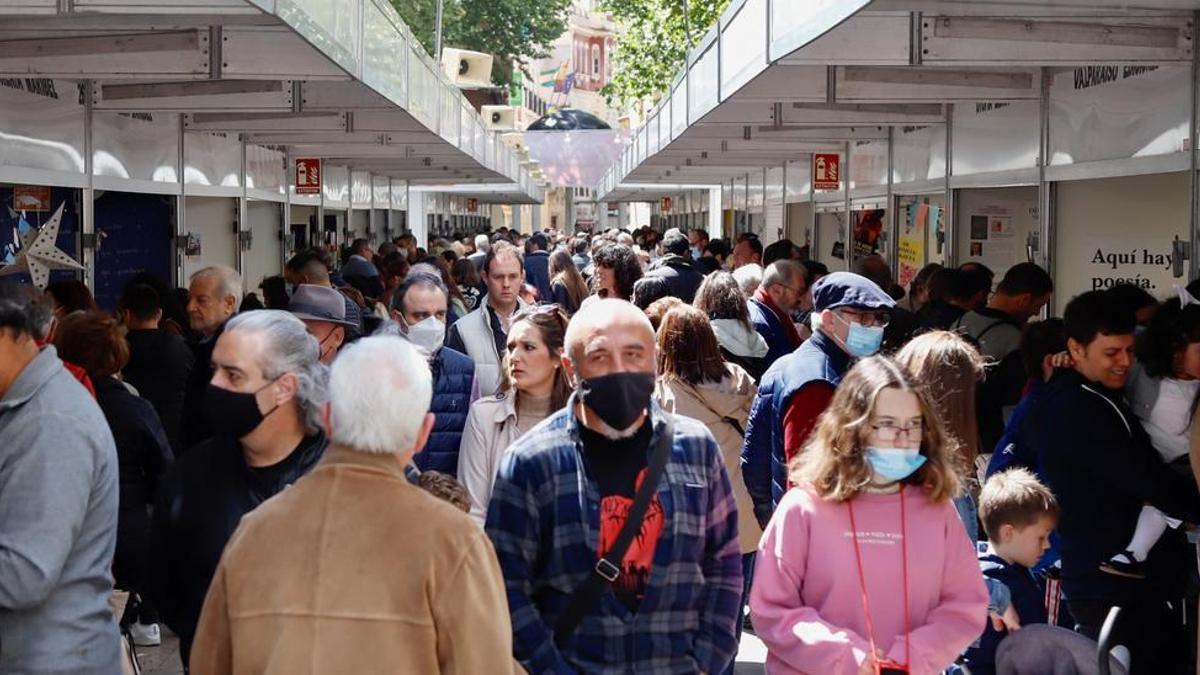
{"x":537,"y":274}
{"x":769,"y":326}
{"x":453,"y":378}
{"x":1028,"y":599}
{"x":764,"y":461}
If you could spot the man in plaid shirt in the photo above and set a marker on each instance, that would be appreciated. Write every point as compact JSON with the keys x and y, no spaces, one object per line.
{"x":560,"y":499}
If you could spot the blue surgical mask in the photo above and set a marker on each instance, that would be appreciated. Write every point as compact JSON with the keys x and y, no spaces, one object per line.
{"x":862,"y":341}
{"x":895,"y":464}
{"x":696,"y":252}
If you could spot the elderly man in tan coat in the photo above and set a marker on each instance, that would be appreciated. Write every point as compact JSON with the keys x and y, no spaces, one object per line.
{"x":353,"y":569}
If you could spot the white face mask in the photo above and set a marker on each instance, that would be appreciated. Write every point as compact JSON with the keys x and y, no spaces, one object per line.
{"x":427,"y":336}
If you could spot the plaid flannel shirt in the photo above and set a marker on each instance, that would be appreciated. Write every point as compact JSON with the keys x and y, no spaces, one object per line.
{"x":543,"y":520}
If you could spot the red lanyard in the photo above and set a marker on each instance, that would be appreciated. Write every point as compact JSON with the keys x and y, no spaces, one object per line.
{"x":862,"y":579}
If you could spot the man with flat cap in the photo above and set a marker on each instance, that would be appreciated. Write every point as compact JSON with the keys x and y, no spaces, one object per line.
{"x":848,"y":318}
{"x":323,"y":311}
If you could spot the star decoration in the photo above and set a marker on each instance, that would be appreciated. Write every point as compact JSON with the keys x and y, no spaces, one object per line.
{"x":39,"y":253}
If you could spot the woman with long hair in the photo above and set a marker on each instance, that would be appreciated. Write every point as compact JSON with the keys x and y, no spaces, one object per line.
{"x":950,"y":368}
{"x":466,"y":277}
{"x":695,"y":381}
{"x":567,"y":287}
{"x":720,"y":297}
{"x":864,"y":567}
{"x":533,"y":384}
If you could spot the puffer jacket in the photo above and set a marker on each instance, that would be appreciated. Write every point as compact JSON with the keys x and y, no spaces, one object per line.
{"x":453,"y":384}
{"x":720,"y":406}
{"x":681,"y":276}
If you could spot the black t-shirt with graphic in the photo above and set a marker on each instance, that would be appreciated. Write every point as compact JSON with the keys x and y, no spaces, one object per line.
{"x":618,"y":467}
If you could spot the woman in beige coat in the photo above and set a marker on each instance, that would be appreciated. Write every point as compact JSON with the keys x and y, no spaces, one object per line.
{"x":532,"y":386}
{"x":694,"y":381}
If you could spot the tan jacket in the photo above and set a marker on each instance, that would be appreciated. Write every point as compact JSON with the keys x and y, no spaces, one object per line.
{"x":354,"y":570}
{"x":491,"y":427}
{"x":710,"y":403}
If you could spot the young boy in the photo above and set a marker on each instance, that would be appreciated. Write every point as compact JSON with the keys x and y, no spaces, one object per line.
{"x":1018,"y":513}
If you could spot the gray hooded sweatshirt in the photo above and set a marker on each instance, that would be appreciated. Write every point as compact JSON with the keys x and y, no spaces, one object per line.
{"x":58,"y":526}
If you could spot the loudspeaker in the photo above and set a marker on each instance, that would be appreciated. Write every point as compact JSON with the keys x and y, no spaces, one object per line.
{"x":467,"y":69}
{"x":499,"y":117}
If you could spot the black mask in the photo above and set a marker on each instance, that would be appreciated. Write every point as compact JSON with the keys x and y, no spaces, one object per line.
{"x":618,"y":399}
{"x":232,"y":412}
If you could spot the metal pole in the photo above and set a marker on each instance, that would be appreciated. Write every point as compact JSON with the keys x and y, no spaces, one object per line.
{"x":950,"y":254}
{"x":848,"y":226}
{"x":892,"y":211}
{"x":1193,"y":122}
{"x":88,"y":205}
{"x":180,"y":212}
{"x":437,"y":33}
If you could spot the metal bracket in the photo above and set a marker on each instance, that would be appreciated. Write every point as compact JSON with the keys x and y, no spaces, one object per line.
{"x":245,"y":239}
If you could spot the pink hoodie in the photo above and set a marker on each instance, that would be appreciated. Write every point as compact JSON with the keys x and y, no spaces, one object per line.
{"x":806,"y":600}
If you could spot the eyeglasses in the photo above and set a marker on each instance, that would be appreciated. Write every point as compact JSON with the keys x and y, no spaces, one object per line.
{"x":869,"y":319}
{"x":889,"y":432}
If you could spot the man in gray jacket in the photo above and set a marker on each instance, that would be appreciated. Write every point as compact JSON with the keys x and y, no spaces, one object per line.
{"x":58,"y":506}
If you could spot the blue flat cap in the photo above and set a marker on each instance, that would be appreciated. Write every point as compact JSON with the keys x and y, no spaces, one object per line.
{"x":846,"y":289}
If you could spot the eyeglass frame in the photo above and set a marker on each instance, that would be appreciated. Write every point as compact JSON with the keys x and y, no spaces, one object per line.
{"x":907,"y":430}
{"x":847,"y":314}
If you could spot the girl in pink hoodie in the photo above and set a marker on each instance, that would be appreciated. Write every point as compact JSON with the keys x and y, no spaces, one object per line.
{"x":865,"y":567}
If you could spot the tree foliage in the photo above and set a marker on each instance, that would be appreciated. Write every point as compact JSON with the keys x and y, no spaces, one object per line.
{"x":652,"y":44}
{"x":509,"y":30}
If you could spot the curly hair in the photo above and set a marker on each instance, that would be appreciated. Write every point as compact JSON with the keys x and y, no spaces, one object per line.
{"x":623,"y":261}
{"x":834,"y":460}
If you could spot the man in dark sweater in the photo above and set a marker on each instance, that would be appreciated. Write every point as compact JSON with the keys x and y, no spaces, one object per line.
{"x":159,"y":361}
{"x":1102,"y":468}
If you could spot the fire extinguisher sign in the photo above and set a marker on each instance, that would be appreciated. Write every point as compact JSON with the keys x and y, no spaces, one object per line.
{"x":308,"y":176}
{"x":826,"y":171}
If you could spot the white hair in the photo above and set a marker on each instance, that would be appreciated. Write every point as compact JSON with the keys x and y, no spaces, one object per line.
{"x":289,"y":348}
{"x":748,"y":278}
{"x":482,"y":243}
{"x":380,"y":391}
{"x":229,"y":282}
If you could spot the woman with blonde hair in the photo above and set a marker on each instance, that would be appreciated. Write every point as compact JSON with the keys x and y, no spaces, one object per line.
{"x":533,"y":385}
{"x":864,"y":567}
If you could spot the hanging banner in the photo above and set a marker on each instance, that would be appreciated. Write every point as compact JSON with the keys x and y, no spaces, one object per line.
{"x":912,"y":242}
{"x":31,"y":198}
{"x":827,"y":170}
{"x":308,"y":176}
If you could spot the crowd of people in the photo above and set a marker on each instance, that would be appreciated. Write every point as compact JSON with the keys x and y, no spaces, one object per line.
{"x":556,"y":453}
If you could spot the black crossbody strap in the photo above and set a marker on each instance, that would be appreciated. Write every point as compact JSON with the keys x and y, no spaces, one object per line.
{"x":608,"y":568}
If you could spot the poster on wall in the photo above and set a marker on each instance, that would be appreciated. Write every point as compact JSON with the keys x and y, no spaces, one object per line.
{"x":868,"y":226}
{"x":912,"y":242}
{"x":993,"y":225}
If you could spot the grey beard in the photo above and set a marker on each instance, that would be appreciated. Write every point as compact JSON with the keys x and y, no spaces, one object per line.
{"x":616,"y":434}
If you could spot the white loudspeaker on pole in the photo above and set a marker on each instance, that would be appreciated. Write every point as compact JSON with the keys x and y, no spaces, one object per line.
{"x":499,"y":117}
{"x":467,"y":69}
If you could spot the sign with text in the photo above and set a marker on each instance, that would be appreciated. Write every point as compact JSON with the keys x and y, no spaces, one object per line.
{"x":31,"y":198}
{"x":308,"y":176}
{"x":666,"y":205}
{"x":472,"y":204}
{"x":826,"y":170}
